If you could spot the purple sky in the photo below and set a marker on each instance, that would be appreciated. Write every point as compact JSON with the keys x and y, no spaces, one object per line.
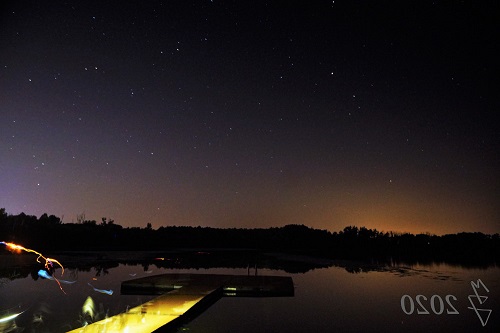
{"x":247,"y":114}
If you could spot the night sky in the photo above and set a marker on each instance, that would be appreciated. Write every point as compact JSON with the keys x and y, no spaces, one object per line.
{"x":252,"y":113}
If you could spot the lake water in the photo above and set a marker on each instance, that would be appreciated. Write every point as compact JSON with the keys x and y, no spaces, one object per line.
{"x":342,"y":297}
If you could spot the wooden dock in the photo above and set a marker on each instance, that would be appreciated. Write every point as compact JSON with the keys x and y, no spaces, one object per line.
{"x":182,"y":297}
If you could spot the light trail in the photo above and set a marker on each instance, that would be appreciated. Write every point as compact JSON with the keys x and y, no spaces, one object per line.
{"x":44,"y":274}
{"x":49,"y":262}
{"x":102,"y":291}
{"x":8,"y":318}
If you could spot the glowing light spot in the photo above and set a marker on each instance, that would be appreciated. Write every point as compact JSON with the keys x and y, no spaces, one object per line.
{"x":89,"y":307}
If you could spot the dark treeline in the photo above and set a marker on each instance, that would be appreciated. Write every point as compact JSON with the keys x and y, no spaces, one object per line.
{"x":48,"y":233}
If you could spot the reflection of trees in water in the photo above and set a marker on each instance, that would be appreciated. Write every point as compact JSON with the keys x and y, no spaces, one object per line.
{"x":13,"y":273}
{"x":72,"y":273}
{"x":3,"y":282}
{"x":401,"y":269}
{"x":21,"y":272}
{"x":178,"y":261}
{"x":227,"y":259}
{"x":101,"y":271}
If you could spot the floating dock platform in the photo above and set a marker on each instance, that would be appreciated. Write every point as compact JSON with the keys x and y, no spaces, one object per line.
{"x":182,"y":297}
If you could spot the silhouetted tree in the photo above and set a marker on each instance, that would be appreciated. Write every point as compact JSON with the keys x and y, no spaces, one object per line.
{"x":48,"y":232}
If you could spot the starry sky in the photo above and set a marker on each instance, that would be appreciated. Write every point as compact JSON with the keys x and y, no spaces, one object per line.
{"x":252,"y":113}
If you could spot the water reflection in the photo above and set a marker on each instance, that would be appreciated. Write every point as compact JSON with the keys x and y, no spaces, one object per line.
{"x":329,"y":295}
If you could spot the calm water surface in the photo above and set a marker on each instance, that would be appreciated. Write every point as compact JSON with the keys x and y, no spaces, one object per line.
{"x":332,"y":299}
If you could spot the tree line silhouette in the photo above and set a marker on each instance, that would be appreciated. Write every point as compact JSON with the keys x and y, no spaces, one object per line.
{"x":48,"y":233}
